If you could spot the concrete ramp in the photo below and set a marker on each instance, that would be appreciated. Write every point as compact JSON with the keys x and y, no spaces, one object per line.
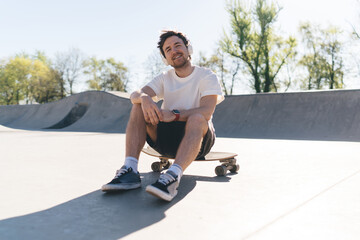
{"x":92,"y":111}
{"x":323,"y":115}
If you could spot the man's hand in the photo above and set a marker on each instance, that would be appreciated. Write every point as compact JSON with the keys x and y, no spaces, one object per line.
{"x":152,"y":113}
{"x":168,"y":116}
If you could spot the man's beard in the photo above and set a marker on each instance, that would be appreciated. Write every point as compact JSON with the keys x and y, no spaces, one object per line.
{"x":180,"y":64}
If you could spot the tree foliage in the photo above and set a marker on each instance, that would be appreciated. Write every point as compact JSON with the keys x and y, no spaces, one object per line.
{"x":323,"y":59}
{"x":253,"y":41}
{"x":226,"y":68}
{"x":108,"y":75}
{"x":14,"y":78}
{"x":23,"y":78}
{"x":36,"y":78}
{"x":68,"y":67}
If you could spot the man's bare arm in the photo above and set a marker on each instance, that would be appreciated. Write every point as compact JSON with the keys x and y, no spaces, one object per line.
{"x":152,"y":113}
{"x":207,"y":108}
{"x":146,"y":91}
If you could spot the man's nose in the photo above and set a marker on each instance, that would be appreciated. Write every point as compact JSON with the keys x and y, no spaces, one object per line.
{"x":174,"y":51}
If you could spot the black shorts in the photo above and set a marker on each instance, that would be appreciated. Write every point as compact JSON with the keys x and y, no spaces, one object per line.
{"x":169,"y":136}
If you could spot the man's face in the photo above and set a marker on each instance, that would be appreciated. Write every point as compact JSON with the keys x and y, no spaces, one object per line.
{"x":176,"y":52}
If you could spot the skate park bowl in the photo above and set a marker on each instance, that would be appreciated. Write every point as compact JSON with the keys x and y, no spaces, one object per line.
{"x":91,"y":111}
{"x":321,"y":115}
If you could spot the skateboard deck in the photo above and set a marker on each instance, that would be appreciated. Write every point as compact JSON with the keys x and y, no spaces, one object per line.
{"x":227,"y":159}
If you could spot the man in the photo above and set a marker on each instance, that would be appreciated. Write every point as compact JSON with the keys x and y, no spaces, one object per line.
{"x":182,"y":128}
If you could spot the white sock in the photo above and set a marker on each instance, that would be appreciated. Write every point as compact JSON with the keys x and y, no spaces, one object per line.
{"x":131,"y":162}
{"x":177,"y":169}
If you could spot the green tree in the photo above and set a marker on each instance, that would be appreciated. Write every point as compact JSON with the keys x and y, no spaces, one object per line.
{"x":44,"y":86}
{"x":253,"y":41}
{"x":311,"y":60}
{"x":322,"y":59}
{"x":27,"y":78}
{"x":107,"y":75}
{"x":44,"y":79}
{"x":14,"y":79}
{"x":225,"y":67}
{"x":332,"y":49}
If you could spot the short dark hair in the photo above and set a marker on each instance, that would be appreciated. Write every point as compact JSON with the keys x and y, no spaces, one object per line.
{"x":165,"y":34}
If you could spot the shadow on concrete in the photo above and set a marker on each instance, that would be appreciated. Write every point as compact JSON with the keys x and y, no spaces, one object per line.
{"x":99,"y":216}
{"x":73,"y":116}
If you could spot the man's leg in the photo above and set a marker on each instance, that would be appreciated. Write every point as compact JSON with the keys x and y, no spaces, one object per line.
{"x":128,"y":177}
{"x":166,"y":186}
{"x":136,"y":132}
{"x":195,"y":130}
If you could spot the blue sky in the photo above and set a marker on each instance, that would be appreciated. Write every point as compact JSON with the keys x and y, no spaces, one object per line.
{"x":128,"y":30}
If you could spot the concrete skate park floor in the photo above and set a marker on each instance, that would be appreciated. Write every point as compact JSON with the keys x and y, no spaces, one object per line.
{"x":285,"y":189}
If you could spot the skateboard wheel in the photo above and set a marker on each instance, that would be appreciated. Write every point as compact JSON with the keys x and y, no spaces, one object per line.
{"x":235,"y":168}
{"x":220,"y":170}
{"x":156,"y":166}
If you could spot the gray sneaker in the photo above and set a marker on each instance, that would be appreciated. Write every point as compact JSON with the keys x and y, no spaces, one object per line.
{"x":165,"y":187}
{"x":124,"y":179}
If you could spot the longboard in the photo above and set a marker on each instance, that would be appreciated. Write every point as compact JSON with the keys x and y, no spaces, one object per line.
{"x":227,"y":160}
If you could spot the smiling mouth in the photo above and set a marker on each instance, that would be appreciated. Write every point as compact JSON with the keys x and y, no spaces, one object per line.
{"x":177,"y":57}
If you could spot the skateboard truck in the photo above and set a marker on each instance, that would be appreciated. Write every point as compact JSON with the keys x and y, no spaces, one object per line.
{"x":159,"y":166}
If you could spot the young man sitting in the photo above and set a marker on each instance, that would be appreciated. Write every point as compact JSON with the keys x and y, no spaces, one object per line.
{"x":182,"y":128}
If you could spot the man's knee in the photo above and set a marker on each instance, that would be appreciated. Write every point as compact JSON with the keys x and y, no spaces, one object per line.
{"x":198,"y":121}
{"x":136,"y":116}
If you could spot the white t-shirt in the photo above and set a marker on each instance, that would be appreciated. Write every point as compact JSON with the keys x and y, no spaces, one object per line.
{"x":185,"y":93}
